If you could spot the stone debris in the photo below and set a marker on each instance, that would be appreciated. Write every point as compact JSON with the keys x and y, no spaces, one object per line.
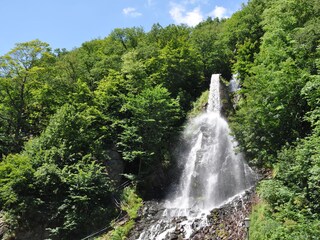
{"x":224,"y":223}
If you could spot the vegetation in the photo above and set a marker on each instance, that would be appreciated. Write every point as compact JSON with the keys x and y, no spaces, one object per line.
{"x":72,"y":122}
{"x":277,"y":120}
{"x":130,"y":204}
{"x":199,"y":105}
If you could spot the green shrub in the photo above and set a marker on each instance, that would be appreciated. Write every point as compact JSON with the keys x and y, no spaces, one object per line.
{"x":262,"y":225}
{"x":275,"y":192}
{"x":199,"y":105}
{"x":266,"y":225}
{"x":130,"y":203}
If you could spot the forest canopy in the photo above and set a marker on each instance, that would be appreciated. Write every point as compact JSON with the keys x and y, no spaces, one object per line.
{"x":76,"y":124}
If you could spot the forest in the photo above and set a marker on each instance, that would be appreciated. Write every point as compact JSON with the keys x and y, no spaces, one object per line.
{"x":75,"y":126}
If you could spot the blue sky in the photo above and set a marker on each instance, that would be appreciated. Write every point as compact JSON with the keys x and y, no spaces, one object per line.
{"x":68,"y":23}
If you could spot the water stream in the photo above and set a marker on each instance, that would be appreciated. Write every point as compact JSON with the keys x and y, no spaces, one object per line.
{"x":213,"y":173}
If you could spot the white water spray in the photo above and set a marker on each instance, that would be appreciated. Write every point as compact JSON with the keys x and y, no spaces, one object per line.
{"x":213,"y":172}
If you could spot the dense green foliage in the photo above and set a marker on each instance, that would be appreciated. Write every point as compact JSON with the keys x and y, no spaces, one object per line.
{"x":73,"y":122}
{"x":57,"y":183}
{"x":199,"y":105}
{"x":269,"y":225}
{"x":277,"y":120}
{"x":130,"y":204}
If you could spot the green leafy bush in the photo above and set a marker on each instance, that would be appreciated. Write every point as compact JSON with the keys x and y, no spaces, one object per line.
{"x":56,"y":187}
{"x":130,"y":203}
{"x":199,"y":105}
{"x":265,"y":225}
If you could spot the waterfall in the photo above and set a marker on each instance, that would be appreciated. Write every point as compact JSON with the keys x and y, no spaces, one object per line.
{"x":214,"y":102}
{"x":213,"y":173}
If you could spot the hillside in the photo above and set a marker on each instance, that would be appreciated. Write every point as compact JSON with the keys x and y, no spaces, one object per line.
{"x":75,"y":125}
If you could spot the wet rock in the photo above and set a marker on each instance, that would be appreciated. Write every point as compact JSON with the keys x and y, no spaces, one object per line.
{"x":227,"y":222}
{"x":223,"y":223}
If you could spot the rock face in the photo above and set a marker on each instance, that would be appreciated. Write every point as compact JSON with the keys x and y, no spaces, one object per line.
{"x":227,"y":106}
{"x":114,"y":164}
{"x":227,"y":222}
{"x":224,"y":223}
{"x":148,"y":214}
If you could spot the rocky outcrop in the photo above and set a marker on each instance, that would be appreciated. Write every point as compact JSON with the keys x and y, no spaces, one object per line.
{"x":227,"y":222}
{"x":226,"y":97}
{"x":149,"y":213}
{"x":224,"y":223}
{"x":114,"y":164}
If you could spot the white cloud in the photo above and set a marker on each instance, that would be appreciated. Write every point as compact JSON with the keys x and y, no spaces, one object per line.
{"x":218,"y":12}
{"x":180,"y":15}
{"x":189,"y":12}
{"x":132,"y":12}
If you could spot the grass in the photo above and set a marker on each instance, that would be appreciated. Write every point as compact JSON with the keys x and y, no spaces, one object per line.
{"x":130,"y":203}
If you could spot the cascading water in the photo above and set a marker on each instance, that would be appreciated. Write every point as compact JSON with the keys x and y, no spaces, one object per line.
{"x":213,"y":172}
